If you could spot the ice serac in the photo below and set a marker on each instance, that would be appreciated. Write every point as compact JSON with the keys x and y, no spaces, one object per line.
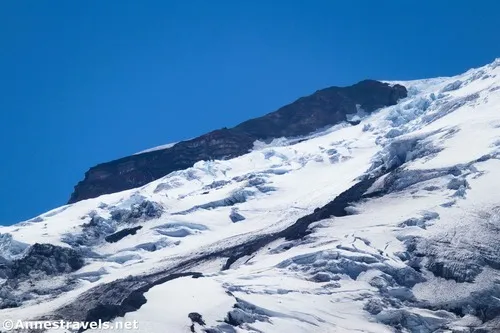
{"x":325,"y":107}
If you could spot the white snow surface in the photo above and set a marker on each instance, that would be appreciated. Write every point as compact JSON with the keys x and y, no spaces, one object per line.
{"x":311,"y":284}
{"x":161,"y":147}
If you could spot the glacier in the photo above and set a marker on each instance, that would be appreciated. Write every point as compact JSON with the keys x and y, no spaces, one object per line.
{"x":388,"y":223}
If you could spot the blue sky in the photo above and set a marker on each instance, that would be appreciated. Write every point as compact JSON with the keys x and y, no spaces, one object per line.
{"x":84,"y":82}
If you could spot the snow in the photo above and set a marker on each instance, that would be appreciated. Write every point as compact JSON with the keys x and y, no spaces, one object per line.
{"x":433,"y":207}
{"x":161,"y":147}
{"x":185,"y":295}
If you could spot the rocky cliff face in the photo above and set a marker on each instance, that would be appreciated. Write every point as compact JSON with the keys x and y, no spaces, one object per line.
{"x":323,"y":108}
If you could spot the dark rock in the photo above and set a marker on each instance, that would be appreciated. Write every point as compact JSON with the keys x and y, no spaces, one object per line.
{"x":325,"y":107}
{"x":113,"y":238}
{"x":196,"y":318}
{"x":49,"y":259}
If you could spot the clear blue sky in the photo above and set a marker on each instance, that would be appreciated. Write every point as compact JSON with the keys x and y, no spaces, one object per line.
{"x":84,"y":82}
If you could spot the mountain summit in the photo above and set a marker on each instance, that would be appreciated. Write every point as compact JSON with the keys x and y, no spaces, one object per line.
{"x":325,"y":107}
{"x":369,"y":208}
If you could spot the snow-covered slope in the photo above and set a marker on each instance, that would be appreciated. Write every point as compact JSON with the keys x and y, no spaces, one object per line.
{"x":391,"y":225}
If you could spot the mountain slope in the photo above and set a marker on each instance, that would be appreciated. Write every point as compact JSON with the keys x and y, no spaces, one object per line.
{"x":390,"y":225}
{"x":323,"y":108}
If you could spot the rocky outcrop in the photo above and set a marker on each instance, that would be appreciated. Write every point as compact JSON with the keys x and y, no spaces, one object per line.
{"x":323,"y":108}
{"x":47,"y":258}
{"x":113,"y":238}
